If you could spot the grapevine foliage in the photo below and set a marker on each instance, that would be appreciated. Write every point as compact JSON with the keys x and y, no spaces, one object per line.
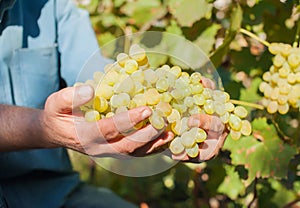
{"x":260,"y":170}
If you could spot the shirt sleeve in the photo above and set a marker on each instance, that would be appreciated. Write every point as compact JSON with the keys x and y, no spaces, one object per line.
{"x":77,"y":43}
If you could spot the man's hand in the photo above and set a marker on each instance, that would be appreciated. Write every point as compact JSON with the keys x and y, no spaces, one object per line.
{"x":216,"y":135}
{"x":65,"y":126}
{"x":215,"y":129}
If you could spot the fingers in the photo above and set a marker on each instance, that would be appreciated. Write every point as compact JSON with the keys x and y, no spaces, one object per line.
{"x":208,"y":83}
{"x":181,"y":157}
{"x":113,"y":127}
{"x":216,"y":135}
{"x":140,"y":142}
{"x":206,"y":122}
{"x":211,"y":147}
{"x":207,"y":150}
{"x":154,"y":146}
{"x":69,"y":98}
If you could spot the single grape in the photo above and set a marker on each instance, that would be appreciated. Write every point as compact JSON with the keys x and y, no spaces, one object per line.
{"x":240,"y":111}
{"x":235,"y":134}
{"x":199,"y":99}
{"x":157,"y":121}
{"x":196,"y":78}
{"x":188,"y":101}
{"x":152,"y":96}
{"x":104,"y":90}
{"x":192,"y":151}
{"x":196,"y":88}
{"x":272,"y":107}
{"x":219,"y":108}
{"x":209,"y":107}
{"x":174,"y":116}
{"x":140,"y":99}
{"x":229,"y":107}
{"x":278,"y":60}
{"x":283,"y":109}
{"x":137,"y":53}
{"x":92,"y":115}
{"x":225,"y":118}
{"x":100,"y":104}
{"x":235,"y":122}
{"x":138,"y":76}
{"x":176,"y":146}
{"x":176,"y":70}
{"x":187,"y":139}
{"x":131,"y":66}
{"x":199,"y":134}
{"x":246,"y":128}
{"x":294,"y":60}
{"x":163,"y":109}
{"x":162,"y":85}
{"x":122,"y":58}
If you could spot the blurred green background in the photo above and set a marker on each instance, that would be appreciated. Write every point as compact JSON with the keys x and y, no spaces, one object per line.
{"x":261,"y":170}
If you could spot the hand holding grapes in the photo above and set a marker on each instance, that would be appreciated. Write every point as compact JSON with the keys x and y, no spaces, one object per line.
{"x":65,"y":126}
{"x":215,"y":136}
{"x":175,"y":97}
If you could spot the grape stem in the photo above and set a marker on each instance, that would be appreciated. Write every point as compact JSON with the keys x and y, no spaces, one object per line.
{"x":278,"y":129}
{"x":297,"y":39}
{"x":252,"y":105}
{"x":127,"y":41}
{"x":252,"y":35}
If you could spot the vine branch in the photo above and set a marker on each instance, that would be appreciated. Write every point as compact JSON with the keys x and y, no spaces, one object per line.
{"x":255,"y":194}
{"x":255,"y":37}
{"x":252,"y":105}
{"x":278,"y":129}
{"x":288,"y":205}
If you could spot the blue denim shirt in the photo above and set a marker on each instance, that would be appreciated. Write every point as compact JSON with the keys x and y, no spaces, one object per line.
{"x":41,"y":41}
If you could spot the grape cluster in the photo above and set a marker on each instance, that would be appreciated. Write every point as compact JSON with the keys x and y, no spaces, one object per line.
{"x":281,"y":84}
{"x":173,"y":94}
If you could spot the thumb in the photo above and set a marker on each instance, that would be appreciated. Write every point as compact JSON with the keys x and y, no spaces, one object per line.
{"x":67,"y":99}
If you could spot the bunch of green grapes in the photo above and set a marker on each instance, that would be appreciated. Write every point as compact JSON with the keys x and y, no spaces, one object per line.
{"x":172,"y":94}
{"x":281,"y":85}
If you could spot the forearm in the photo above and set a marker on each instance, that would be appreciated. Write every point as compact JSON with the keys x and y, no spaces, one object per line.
{"x":20,"y":129}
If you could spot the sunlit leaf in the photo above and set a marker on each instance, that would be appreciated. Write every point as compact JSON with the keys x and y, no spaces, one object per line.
{"x":267,"y":157}
{"x":282,"y":195}
{"x":188,"y":12}
{"x":207,"y":39}
{"x":143,"y":11}
{"x":251,"y":94}
{"x":232,"y":185}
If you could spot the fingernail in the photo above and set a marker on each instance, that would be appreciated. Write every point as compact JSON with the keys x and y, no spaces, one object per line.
{"x":85,"y":91}
{"x":146,"y":113}
{"x":194,"y":122}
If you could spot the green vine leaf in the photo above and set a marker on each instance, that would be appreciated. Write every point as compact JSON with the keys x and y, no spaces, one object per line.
{"x":188,"y":12}
{"x":267,"y":157}
{"x":206,"y":40}
{"x":174,"y":28}
{"x":251,"y":94}
{"x":118,"y":3}
{"x":143,"y":11}
{"x":282,"y":195}
{"x":232,"y":179}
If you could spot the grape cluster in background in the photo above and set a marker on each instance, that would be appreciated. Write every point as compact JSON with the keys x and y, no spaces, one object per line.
{"x":281,"y":85}
{"x":173,"y":95}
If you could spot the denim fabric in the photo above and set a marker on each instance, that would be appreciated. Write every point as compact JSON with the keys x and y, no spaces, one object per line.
{"x":95,"y":197}
{"x":41,"y":41}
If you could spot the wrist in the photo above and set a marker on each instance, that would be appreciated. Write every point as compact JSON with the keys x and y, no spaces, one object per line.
{"x":46,"y":139}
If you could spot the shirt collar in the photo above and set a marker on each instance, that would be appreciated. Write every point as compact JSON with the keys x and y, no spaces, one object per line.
{"x":5,"y":5}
